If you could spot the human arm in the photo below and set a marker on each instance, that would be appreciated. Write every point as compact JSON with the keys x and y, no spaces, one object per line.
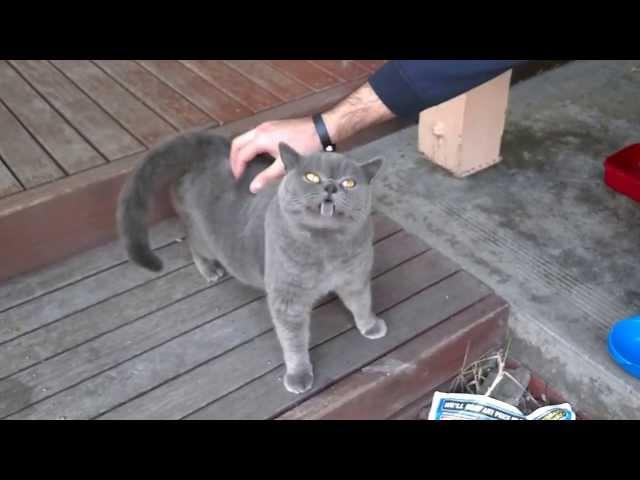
{"x":400,"y":88}
{"x":356,"y":112}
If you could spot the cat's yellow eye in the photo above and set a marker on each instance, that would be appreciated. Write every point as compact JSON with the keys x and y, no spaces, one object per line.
{"x":311,"y":177}
{"x":349,"y":183}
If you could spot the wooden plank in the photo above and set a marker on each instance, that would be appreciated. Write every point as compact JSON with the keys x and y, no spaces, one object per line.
{"x":271,"y":79}
{"x":64,"y":334}
{"x":416,"y":409}
{"x":116,"y":346}
{"x":230,"y":81}
{"x":412,"y":370}
{"x":58,"y":137}
{"x":136,"y":117}
{"x":114,"y":312}
{"x":23,"y":288}
{"x":27,"y":159}
{"x":108,"y":351}
{"x":8,"y":183}
{"x":161,"y":98}
{"x":53,"y":341}
{"x":257,"y":352}
{"x":59,"y":303}
{"x":338,"y":356}
{"x":98,"y":127}
{"x":207,"y":97}
{"x":35,"y":219}
{"x":371,"y":65}
{"x":305,"y":72}
{"x":342,"y":69}
{"x":38,"y":229}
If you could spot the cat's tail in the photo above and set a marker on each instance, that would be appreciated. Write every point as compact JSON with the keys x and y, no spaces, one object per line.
{"x":161,"y":167}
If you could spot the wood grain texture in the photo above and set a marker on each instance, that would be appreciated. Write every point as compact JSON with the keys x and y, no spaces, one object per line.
{"x":209,"y":98}
{"x":159,"y":96}
{"x":30,"y":163}
{"x":85,"y":325}
{"x":57,"y":136}
{"x":229,"y":80}
{"x":306,"y":73}
{"x":8,"y":183}
{"x":342,"y":69}
{"x":271,"y":79}
{"x":137,"y":118}
{"x":59,"y":303}
{"x":100,"y":358}
{"x":26,"y":287}
{"x":98,"y":127}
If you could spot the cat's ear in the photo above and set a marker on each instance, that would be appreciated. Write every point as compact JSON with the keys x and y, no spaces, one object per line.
{"x":371,"y":168}
{"x":289,"y":156}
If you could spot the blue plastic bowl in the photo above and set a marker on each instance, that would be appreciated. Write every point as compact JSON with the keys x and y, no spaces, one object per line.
{"x":624,"y":344}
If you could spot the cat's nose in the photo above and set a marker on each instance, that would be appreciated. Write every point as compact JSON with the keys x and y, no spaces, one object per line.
{"x":330,"y":188}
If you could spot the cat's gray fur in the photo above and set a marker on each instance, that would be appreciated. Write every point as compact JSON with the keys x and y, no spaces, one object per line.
{"x":278,"y":240}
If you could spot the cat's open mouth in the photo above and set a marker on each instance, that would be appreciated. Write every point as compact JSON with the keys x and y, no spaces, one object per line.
{"x":327,"y":208}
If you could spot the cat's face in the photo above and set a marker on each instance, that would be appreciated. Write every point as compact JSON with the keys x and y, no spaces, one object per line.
{"x":326,"y":190}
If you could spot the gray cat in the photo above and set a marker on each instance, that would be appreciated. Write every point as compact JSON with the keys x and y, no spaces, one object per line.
{"x":297,"y":240}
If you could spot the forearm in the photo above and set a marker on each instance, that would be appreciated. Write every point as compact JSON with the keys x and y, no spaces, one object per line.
{"x":360,"y":110}
{"x":407,"y":87}
{"x":404,"y":88}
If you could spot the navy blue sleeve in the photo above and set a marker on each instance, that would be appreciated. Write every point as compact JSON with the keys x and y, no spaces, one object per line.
{"x":407,"y":87}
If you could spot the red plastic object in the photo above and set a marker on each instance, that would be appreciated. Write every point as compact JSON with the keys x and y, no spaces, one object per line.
{"x":622,"y":171}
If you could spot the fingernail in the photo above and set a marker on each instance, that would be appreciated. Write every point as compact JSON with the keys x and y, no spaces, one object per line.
{"x":254,"y":187}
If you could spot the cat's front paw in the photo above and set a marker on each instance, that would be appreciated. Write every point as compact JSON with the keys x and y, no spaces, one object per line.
{"x":299,"y":382}
{"x":377,"y":329}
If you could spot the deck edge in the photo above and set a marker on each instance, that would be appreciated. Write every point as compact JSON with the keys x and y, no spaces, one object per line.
{"x":431,"y":358}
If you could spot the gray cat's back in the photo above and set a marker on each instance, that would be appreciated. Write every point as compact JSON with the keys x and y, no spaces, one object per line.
{"x":226,"y":219}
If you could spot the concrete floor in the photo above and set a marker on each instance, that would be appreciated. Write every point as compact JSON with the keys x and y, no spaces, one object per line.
{"x":541,"y":227}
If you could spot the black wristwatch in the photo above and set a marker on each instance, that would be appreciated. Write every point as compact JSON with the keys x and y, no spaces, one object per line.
{"x":323,"y":133}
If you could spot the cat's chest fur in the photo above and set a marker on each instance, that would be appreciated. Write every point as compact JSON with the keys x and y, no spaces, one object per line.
{"x":317,"y":262}
{"x":316,"y":270}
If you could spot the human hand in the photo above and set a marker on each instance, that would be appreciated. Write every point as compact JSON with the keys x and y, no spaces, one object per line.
{"x":299,"y":133}
{"x":356,"y":112}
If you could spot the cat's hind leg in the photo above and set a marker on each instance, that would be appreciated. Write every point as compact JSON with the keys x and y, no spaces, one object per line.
{"x":210,"y":269}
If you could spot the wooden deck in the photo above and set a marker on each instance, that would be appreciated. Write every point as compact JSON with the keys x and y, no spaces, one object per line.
{"x":59,"y":118}
{"x":97,"y":337}
{"x":70,"y":132}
